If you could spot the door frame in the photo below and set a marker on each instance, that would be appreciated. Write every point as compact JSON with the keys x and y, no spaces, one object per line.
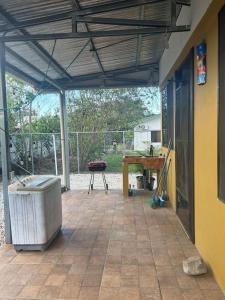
{"x":191,"y":136}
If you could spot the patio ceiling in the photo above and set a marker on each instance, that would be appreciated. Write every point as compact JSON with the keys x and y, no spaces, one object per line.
{"x":71,"y":44}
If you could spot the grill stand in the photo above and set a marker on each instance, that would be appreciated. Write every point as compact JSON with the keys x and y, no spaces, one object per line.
{"x":92,"y":179}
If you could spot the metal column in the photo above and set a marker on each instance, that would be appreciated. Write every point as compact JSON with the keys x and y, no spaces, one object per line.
{"x":4,"y":144}
{"x":78,"y":154}
{"x":64,"y":141}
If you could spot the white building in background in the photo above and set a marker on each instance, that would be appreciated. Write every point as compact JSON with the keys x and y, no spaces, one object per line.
{"x":148,"y":133}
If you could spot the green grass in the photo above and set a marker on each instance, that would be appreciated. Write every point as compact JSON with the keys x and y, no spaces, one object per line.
{"x":114,"y":163}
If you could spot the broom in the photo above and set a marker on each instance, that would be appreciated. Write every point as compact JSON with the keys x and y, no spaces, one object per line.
{"x":155,"y":200}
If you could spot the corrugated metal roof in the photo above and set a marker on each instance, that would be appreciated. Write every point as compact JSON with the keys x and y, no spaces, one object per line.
{"x":113,"y":53}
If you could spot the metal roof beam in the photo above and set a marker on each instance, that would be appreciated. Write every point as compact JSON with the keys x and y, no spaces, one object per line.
{"x":32,"y":67}
{"x":122,"y":22}
{"x":14,"y":25}
{"x":139,"y":38}
{"x":129,"y":80}
{"x":92,"y":34}
{"x":35,"y":22}
{"x":38,"y":49}
{"x":173,"y":12}
{"x":114,"y":6}
{"x":77,"y":5}
{"x":20,"y":74}
{"x":112,"y":73}
{"x":184,"y":2}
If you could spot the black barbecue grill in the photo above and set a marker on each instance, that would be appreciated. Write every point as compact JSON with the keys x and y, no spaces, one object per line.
{"x":97,"y":167}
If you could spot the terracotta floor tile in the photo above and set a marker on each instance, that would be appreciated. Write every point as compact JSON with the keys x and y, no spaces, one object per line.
{"x":129,"y":270}
{"x":162,"y":260}
{"x":92,"y":280}
{"x":168,"y":282}
{"x":187,"y":282}
{"x":150,"y":294}
{"x":111,"y":280}
{"x":148,"y":281}
{"x":50,"y":259}
{"x":78,"y":268}
{"x":129,"y":281}
{"x":69,"y":291}
{"x":89,"y":293}
{"x":212,"y":294}
{"x":94,"y":269}
{"x":66,"y":259}
{"x":29,"y":269}
{"x":109,"y":294}
{"x":61,"y":269}
{"x":45,"y":269}
{"x":193,"y":294}
{"x":171,"y":294}
{"x":206,"y":282}
{"x":49,"y":292}
{"x":27,"y":259}
{"x":128,"y":293}
{"x":29,"y":292}
{"x":122,"y":248}
{"x":20,"y":279}
{"x":113,"y":259}
{"x":97,"y":260}
{"x":111,"y":268}
{"x":55,"y":280}
{"x":129,"y":260}
{"x":145,"y":259}
{"x":10,"y":291}
{"x":37,"y":279}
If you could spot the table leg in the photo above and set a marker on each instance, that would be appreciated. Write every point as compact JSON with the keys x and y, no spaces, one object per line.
{"x":158,"y":175}
{"x":125,"y":180}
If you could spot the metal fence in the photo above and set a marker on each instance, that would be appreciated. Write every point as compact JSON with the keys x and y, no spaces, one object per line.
{"x":40,"y":153}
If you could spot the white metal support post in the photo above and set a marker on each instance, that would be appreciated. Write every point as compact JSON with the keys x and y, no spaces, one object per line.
{"x":4,"y":144}
{"x":78,"y":154}
{"x":64,"y":140}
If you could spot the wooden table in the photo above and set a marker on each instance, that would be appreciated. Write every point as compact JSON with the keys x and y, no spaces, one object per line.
{"x":149,"y":163}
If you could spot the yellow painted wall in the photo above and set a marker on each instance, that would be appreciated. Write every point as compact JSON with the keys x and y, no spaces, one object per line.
{"x":209,"y":211}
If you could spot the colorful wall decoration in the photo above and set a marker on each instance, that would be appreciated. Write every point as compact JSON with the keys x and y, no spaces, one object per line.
{"x":201,"y":50}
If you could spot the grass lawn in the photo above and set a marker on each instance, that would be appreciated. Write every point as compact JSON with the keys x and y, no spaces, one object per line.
{"x":114,"y":163}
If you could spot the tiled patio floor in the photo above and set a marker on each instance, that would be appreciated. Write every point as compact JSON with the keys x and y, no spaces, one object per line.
{"x":109,"y":249}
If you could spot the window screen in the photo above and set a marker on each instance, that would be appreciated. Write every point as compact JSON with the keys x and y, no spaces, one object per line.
{"x":155,"y":136}
{"x":221,"y":110}
{"x":167,"y":114}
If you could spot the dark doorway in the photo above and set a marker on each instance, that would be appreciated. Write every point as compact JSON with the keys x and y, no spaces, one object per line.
{"x":184,"y":139}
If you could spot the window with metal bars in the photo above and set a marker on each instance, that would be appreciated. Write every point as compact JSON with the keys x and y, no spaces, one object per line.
{"x":155,"y":136}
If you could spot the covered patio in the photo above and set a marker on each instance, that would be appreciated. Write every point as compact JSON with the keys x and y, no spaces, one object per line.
{"x":67,"y":45}
{"x":110,"y":248}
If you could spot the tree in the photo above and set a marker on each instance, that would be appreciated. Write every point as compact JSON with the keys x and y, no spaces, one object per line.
{"x":102,"y":110}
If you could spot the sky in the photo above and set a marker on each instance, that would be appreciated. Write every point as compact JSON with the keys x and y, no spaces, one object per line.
{"x":49,"y":104}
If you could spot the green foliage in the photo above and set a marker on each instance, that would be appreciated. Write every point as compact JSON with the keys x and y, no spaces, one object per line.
{"x":114,"y":162}
{"x":104,"y":110}
{"x":95,"y":111}
{"x":19,"y":98}
{"x":46,"y":124}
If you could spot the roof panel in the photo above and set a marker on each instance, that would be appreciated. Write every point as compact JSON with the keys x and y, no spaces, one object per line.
{"x":78,"y":57}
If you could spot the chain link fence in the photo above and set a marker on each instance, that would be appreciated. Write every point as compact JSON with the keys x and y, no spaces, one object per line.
{"x":40,"y":153}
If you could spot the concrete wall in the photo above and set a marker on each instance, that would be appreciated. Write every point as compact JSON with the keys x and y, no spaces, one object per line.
{"x":142,"y":134}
